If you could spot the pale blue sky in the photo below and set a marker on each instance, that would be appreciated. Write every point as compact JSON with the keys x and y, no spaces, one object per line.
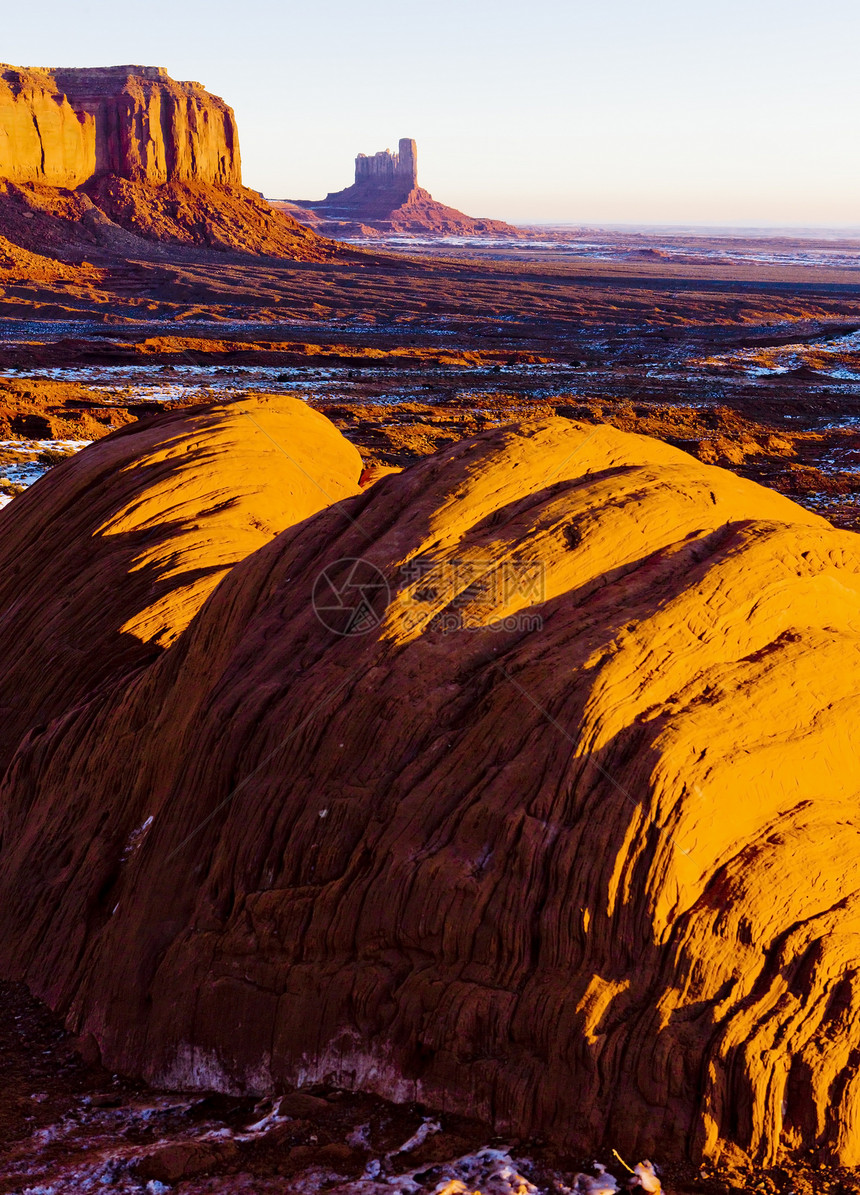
{"x":744,"y":111}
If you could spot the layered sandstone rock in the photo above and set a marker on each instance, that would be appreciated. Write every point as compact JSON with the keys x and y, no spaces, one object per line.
{"x":566,"y":839}
{"x":65,"y":127}
{"x":385,"y":197}
{"x":385,"y":169}
{"x":89,"y":156}
{"x":42,"y":137}
{"x":112,"y":555}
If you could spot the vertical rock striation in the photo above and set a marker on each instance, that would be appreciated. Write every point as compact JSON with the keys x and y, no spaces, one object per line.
{"x":88,"y":156}
{"x":150,"y":128}
{"x":65,"y":127}
{"x":398,"y":171}
{"x":42,"y":138}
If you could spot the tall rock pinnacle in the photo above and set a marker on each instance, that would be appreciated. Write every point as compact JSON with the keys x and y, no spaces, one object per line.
{"x":386,"y":197}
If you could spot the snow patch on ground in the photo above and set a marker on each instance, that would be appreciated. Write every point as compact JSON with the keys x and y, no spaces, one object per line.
{"x":827,"y":357}
{"x":25,"y":467}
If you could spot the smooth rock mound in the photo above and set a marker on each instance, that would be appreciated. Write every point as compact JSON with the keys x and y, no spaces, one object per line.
{"x":567,"y":839}
{"x":110,"y":555}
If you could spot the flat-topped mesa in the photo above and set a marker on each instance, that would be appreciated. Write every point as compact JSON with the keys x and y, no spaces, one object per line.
{"x":89,"y":156}
{"x":64,"y":127}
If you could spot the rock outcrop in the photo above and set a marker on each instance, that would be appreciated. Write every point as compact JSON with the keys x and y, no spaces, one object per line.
{"x":127,"y":149}
{"x":65,"y":127}
{"x":386,"y":198}
{"x":566,"y":837}
{"x":397,"y":172}
{"x":112,"y":555}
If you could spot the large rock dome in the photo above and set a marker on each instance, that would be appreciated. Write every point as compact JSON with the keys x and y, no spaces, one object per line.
{"x":566,"y":838}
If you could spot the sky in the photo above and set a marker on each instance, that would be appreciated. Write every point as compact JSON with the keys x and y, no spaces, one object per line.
{"x":743,"y":112}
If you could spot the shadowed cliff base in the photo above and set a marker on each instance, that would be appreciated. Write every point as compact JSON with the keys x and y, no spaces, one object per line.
{"x":67,"y":1124}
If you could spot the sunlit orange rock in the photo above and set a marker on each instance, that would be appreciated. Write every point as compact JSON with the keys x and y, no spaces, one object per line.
{"x":90,"y":155}
{"x":568,"y":840}
{"x":65,"y":127}
{"x":109,"y":556}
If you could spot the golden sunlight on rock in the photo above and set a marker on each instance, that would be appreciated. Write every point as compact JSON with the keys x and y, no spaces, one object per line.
{"x":563,"y":835}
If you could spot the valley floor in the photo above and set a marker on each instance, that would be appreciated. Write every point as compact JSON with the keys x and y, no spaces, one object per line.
{"x":747,"y":364}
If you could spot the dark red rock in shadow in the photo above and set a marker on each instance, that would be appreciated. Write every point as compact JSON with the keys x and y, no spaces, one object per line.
{"x":566,"y":837}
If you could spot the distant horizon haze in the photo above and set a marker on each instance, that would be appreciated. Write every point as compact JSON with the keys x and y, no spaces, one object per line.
{"x":741,"y":114}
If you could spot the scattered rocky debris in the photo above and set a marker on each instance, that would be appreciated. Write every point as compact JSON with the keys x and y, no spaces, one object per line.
{"x":399,"y":404}
{"x":67,"y":1127}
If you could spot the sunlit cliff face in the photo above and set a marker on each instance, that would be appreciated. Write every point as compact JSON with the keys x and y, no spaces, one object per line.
{"x":65,"y":127}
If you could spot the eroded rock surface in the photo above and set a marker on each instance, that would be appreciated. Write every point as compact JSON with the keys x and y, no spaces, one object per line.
{"x":65,"y":127}
{"x":109,"y":557}
{"x":106,"y":156}
{"x":568,"y":840}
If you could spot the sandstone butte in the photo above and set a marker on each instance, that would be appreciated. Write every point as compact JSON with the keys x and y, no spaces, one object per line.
{"x":155,"y":156}
{"x":386,"y":198}
{"x":595,"y":880}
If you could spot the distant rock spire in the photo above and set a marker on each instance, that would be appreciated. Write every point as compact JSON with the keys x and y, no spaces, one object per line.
{"x":407,"y":160}
{"x":385,"y":168}
{"x":386,"y":196}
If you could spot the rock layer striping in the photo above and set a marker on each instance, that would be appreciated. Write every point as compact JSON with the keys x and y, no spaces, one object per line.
{"x":66,"y":127}
{"x":593,"y":876}
{"x":110,"y":557}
